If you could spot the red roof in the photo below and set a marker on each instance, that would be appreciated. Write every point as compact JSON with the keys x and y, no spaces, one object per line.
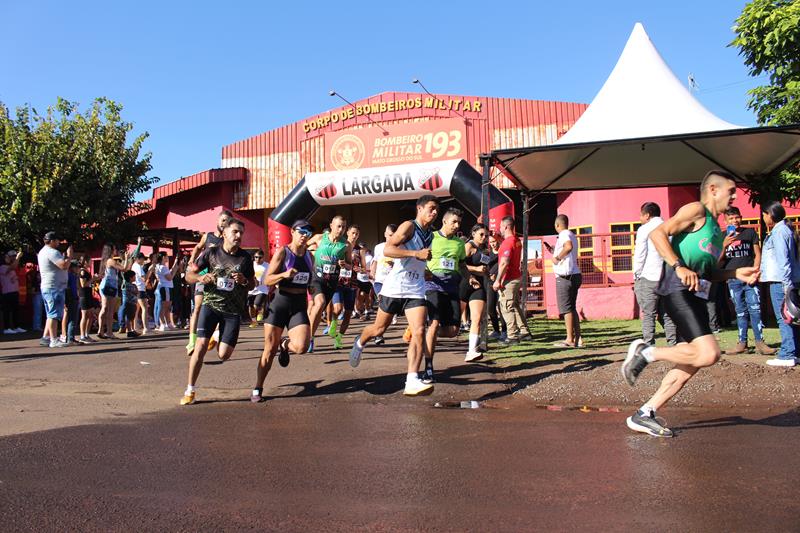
{"x":214,"y":175}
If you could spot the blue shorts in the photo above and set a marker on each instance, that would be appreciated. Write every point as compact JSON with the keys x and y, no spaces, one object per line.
{"x":377,"y":286}
{"x":53,"y":303}
{"x":346,"y":297}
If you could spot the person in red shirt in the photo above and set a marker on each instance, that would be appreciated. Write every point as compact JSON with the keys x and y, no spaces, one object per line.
{"x":509,"y":276}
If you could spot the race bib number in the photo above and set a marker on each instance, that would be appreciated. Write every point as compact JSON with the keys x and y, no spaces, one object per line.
{"x":363,"y":277}
{"x":225,"y":284}
{"x":412,"y":276}
{"x":447,"y":264}
{"x":301,"y":278}
{"x":346,"y":274}
{"x":485,"y":259}
{"x":702,"y":290}
{"x":330,"y":269}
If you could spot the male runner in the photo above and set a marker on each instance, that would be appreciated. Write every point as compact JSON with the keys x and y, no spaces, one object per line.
{"x":208,"y":240}
{"x":690,"y":265}
{"x":344,"y":299}
{"x":441,"y":289}
{"x":228,"y":276}
{"x":330,"y":256}
{"x":257,"y":298}
{"x":290,"y":270}
{"x":380,"y":268}
{"x":403,"y":290}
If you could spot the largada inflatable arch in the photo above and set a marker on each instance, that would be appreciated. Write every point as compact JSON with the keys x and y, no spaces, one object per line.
{"x":454,"y":177}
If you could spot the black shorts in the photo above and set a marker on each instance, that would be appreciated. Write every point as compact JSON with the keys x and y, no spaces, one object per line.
{"x":86,"y":303}
{"x":567,"y":292}
{"x":689,"y":313}
{"x":257,"y":300}
{"x":364,"y":286}
{"x":228,"y":323}
{"x":109,"y":292}
{"x":318,"y":286}
{"x":130,"y":310}
{"x":142,"y":295}
{"x":397,"y":306}
{"x":288,"y":310}
{"x":444,"y":308}
{"x":467,"y":293}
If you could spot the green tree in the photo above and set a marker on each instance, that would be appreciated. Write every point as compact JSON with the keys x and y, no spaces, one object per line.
{"x":70,"y":172}
{"x":768,"y":38}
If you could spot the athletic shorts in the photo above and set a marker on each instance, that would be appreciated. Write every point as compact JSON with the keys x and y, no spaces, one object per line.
{"x":165,"y":293}
{"x":228,"y":324}
{"x":467,"y":293}
{"x":142,"y":295}
{"x":257,"y":300}
{"x":345,"y":297}
{"x":444,"y":308}
{"x":397,"y":306}
{"x":364,"y":286}
{"x":689,"y":313}
{"x":327,"y":289}
{"x":109,"y":292}
{"x":288,"y":310}
{"x":86,"y":303}
{"x":567,"y":292}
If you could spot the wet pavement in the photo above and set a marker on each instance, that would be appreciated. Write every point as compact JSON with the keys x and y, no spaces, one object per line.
{"x":93,"y":440}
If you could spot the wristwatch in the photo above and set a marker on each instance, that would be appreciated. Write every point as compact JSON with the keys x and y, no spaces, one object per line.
{"x":678,"y":263}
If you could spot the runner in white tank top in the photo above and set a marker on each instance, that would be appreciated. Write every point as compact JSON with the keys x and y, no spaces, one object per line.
{"x":403,"y":290}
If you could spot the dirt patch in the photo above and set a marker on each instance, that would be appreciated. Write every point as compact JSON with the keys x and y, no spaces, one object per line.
{"x":598,"y":382}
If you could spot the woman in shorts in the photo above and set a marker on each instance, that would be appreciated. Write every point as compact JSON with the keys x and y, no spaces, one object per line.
{"x":473,"y":286}
{"x":110,"y":268}
{"x":290,"y":270}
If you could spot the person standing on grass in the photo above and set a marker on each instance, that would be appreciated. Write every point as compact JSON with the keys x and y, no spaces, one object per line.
{"x":782,"y":274}
{"x":692,"y":262}
{"x":507,"y":284}
{"x":492,"y":297}
{"x":647,"y":268}
{"x":741,"y":249}
{"x":568,"y":280}
{"x":53,"y":267}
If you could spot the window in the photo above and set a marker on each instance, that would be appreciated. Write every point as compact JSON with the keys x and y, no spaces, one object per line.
{"x":622,"y":242}
{"x":585,"y":244}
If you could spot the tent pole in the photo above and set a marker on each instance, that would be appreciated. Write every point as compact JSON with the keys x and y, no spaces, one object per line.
{"x":525,"y":222}
{"x":486,"y":163}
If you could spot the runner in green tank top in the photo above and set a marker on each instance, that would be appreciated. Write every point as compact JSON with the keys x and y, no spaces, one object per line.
{"x":691,"y":264}
{"x":331,"y":253}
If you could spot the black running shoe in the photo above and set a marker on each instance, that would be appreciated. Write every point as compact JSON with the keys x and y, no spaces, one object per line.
{"x":634,"y":362}
{"x":648,"y":424}
{"x":426,"y":376}
{"x":283,"y":352}
{"x":378,"y":340}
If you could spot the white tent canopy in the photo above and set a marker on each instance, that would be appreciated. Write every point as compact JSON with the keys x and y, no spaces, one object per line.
{"x":644,"y":128}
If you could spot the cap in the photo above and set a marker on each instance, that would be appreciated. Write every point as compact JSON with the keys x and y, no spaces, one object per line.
{"x":50,"y":236}
{"x":302,"y":223}
{"x":12,"y":253}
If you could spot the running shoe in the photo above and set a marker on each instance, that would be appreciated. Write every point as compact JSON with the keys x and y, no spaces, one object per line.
{"x":379,"y":340}
{"x":337,"y":341}
{"x":58,"y":344}
{"x":189,"y":348}
{"x":464,"y":327}
{"x":44,"y":341}
{"x":642,"y":423}
{"x":9,"y":331}
{"x":132,"y":334}
{"x":355,"y":314}
{"x":415,"y":387}
{"x":426,"y":376}
{"x":355,"y":353}
{"x":634,"y":362}
{"x":782,"y":362}
{"x":188,"y":399}
{"x":90,"y":339}
{"x":310,"y":346}
{"x":256,"y":397}
{"x":260,"y":318}
{"x":407,"y":335}
{"x":326,"y":330}
{"x":252,"y":324}
{"x":394,"y":320}
{"x":283,"y":352}
{"x":473,"y":356}
{"x":495,"y":336}
{"x":20,"y":330}
{"x":506,"y":341}
{"x":526,"y":337}
{"x":83,"y":340}
{"x":332,"y":330}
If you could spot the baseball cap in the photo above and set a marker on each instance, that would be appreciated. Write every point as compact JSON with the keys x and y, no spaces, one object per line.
{"x":302,"y":223}
{"x":50,"y":236}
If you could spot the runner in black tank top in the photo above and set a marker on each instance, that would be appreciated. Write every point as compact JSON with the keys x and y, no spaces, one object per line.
{"x":473,"y":289}
{"x":207,"y":241}
{"x":291,"y":269}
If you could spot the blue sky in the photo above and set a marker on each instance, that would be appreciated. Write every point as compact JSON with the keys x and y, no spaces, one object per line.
{"x":200,"y":75}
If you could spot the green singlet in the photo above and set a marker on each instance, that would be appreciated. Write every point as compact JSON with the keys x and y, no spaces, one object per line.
{"x":328,"y":255}
{"x":700,"y":250}
{"x":446,"y":254}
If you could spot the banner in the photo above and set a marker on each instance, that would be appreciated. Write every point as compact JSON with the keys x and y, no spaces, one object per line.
{"x":381,"y":184}
{"x":433,"y":140}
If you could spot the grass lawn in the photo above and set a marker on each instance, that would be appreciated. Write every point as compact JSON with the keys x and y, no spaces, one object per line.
{"x":601,"y":337}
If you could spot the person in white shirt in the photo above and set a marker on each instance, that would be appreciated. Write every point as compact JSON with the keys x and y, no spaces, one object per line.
{"x":647,"y":268}
{"x":568,"y":280}
{"x":141,"y":287}
{"x":379,"y":268}
{"x":257,"y":298}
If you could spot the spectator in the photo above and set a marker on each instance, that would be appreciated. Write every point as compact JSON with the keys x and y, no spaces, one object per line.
{"x":9,"y":283}
{"x":71,"y":307}
{"x":647,"y":269}
{"x":127,"y":311}
{"x":141,"y":298}
{"x":781,"y":271}
{"x":741,"y":249}
{"x":110,"y":268}
{"x":568,"y":280}
{"x":34,"y":285}
{"x":53,"y":267}
{"x":86,"y":303}
{"x":498,"y":324}
{"x":163,"y":307}
{"x":507,"y":283}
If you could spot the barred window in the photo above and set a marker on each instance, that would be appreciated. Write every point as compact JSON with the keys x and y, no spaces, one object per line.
{"x":622,"y":241}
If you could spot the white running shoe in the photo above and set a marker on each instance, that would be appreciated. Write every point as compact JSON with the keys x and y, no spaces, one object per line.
{"x":782,"y":362}
{"x":473,"y":356}
{"x":20,"y":330}
{"x":8,"y":331}
{"x":415,"y":387}
{"x":355,"y":354}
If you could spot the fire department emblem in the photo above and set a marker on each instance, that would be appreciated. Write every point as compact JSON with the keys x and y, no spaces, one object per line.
{"x":431,"y":180}
{"x":347,"y":152}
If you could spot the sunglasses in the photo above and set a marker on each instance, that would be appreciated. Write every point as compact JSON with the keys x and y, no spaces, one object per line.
{"x":258,"y":256}
{"x":305,"y":232}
